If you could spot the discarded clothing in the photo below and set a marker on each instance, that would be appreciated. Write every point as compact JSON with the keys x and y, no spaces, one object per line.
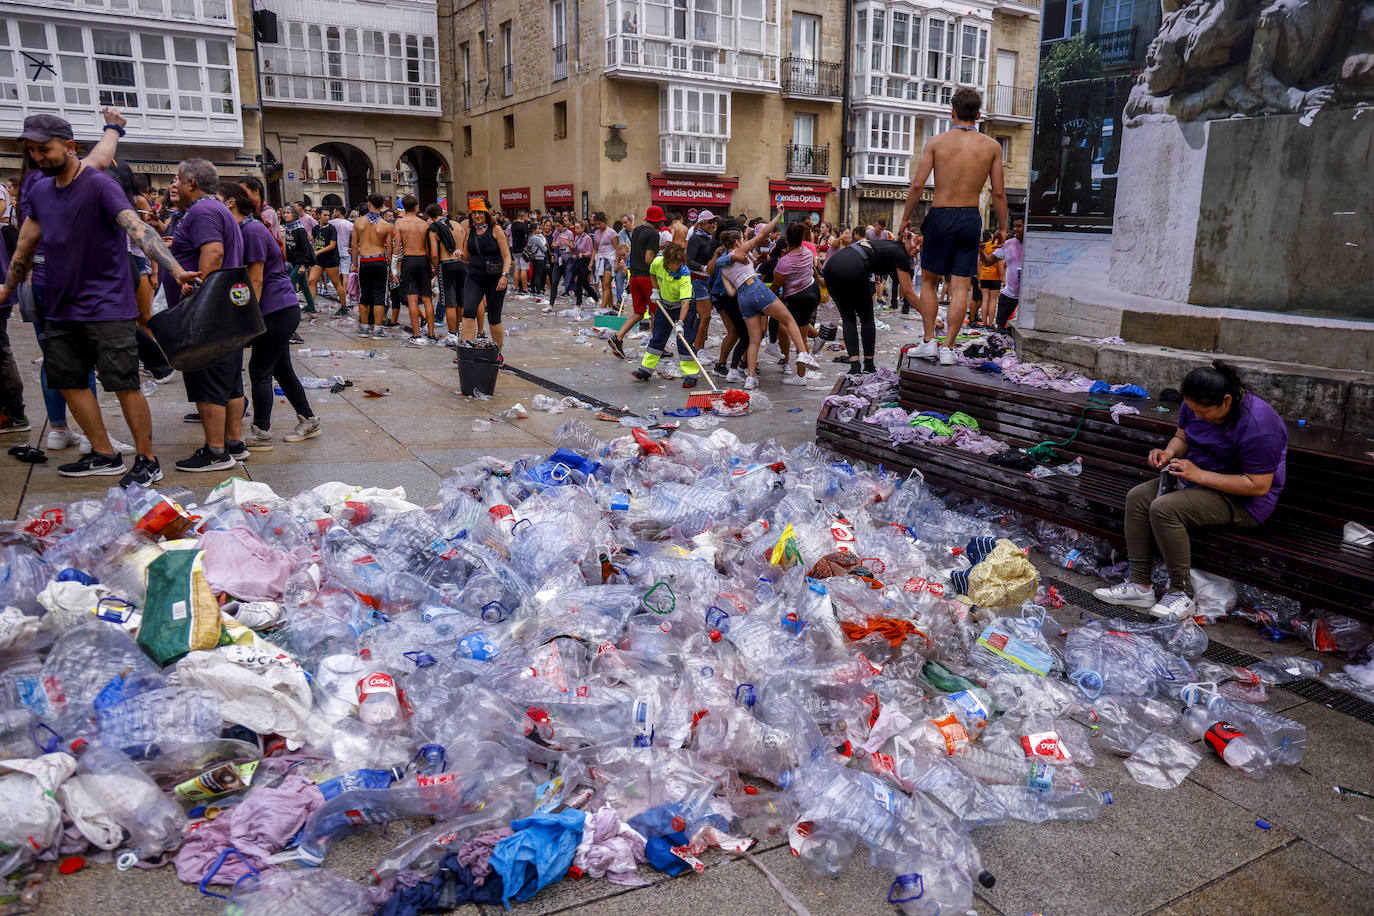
{"x":475,"y":854}
{"x":538,"y":853}
{"x":611,"y":849}
{"x":1124,"y":391}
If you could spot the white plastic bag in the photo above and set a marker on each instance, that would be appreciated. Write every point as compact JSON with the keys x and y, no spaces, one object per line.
{"x":1214,"y":595}
{"x":29,"y":815}
{"x":88,"y":814}
{"x":260,"y":688}
{"x":18,"y":628}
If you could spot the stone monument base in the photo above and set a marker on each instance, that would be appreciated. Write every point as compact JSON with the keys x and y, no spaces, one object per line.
{"x":1249,"y":213}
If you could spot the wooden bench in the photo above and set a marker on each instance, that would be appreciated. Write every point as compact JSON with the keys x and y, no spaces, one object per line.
{"x":1299,"y":552}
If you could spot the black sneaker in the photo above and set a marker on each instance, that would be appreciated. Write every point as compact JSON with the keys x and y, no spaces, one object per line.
{"x":340,"y":312}
{"x":689,"y":381}
{"x":145,"y":473}
{"x":869,"y":367}
{"x":236,"y":450}
{"x":93,"y":465}
{"x":193,"y":417}
{"x":297,"y":339}
{"x":616,"y":347}
{"x":205,"y":460}
{"x":14,"y":424}
{"x":721,"y":369}
{"x":840,"y":359}
{"x":643,"y":374}
{"x":854,"y":369}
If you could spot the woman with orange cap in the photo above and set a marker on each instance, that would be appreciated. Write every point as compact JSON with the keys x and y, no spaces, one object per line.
{"x":487,"y":254}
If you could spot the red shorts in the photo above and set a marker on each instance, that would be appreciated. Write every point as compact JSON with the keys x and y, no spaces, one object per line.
{"x":641,"y":295}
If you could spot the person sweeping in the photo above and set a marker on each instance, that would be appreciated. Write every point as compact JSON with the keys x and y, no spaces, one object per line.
{"x":674,"y":281}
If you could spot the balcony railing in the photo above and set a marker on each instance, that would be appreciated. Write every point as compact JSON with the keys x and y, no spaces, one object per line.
{"x":632,"y":53}
{"x":560,"y":63}
{"x":810,"y":161}
{"x":815,"y":79}
{"x":507,"y":81}
{"x":1011,"y":102}
{"x":1116,"y":48}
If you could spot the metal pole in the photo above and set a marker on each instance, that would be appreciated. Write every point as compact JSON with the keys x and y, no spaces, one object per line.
{"x":845,"y":150}
{"x":262,"y":110}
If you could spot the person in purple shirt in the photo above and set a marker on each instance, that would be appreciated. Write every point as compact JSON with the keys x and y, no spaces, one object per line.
{"x":1236,"y":466}
{"x":271,"y":352}
{"x":207,"y":238}
{"x":83,"y":217}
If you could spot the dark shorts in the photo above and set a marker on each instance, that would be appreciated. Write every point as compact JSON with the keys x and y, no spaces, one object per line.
{"x":804,"y":305}
{"x":951,"y":236}
{"x":218,"y":383}
{"x":71,"y":349}
{"x":416,"y":279}
{"x":328,"y":260}
{"x":372,"y":277}
{"x":990,"y":284}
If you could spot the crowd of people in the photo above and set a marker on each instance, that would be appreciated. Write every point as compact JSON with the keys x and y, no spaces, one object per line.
{"x":93,"y":248}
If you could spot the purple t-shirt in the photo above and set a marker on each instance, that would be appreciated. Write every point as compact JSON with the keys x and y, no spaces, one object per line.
{"x":205,"y":221}
{"x":1257,"y":443}
{"x":258,"y":245}
{"x":88,"y":276}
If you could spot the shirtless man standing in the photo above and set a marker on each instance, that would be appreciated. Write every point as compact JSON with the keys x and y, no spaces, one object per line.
{"x":962,"y":159}
{"x":371,"y":248}
{"x":417,"y":283}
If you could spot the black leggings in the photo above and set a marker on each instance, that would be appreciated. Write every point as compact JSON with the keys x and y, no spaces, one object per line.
{"x":728,"y":306}
{"x":538,"y":275}
{"x":804,"y":305}
{"x":1006,"y":307}
{"x":270,"y":358}
{"x":852,"y":291}
{"x":483,"y":286}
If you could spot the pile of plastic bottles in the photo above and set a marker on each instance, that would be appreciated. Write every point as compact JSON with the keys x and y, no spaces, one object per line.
{"x":610,"y":658}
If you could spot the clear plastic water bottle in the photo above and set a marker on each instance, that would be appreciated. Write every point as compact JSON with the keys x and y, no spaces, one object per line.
{"x":1283,"y":739}
{"x":127,"y":794}
{"x":1238,"y":750}
{"x":379,"y":701}
{"x":163,"y":717}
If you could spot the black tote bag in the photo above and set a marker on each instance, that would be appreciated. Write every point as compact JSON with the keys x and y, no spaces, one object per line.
{"x":218,"y":317}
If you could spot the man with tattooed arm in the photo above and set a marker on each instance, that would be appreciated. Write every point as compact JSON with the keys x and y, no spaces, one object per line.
{"x":82,"y":216}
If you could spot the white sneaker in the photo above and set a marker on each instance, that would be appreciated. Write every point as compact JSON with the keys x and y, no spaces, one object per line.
{"x":379,"y":333}
{"x":58,"y":439}
{"x":793,"y":379}
{"x":450,"y":340}
{"x":947,"y":357}
{"x":1174,"y":606}
{"x":1127,"y":593}
{"x":751,"y":383}
{"x":927,"y":350}
{"x":734,"y":376}
{"x":123,"y":448}
{"x":773,"y":350}
{"x":364,"y":331}
{"x":807,"y":360}
{"x":417,"y":342}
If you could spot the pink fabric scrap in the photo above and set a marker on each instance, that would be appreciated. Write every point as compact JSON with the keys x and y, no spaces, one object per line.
{"x":475,"y":854}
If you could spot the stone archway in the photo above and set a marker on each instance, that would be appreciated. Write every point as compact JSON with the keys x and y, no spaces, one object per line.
{"x":355,"y":170}
{"x":430,"y":171}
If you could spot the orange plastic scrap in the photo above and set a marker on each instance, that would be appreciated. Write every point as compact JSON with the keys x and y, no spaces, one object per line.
{"x":889,"y":628}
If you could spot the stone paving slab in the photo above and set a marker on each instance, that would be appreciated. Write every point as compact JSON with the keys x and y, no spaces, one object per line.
{"x":1297,"y":878}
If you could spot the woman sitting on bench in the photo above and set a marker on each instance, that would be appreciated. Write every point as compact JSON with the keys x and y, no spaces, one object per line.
{"x":1234,"y":471}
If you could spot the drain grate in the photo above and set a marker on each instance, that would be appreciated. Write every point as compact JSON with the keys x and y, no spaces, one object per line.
{"x":1312,"y":690}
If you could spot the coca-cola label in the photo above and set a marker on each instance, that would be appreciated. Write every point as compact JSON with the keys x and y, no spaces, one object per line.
{"x":376,"y":682}
{"x":843,"y":533}
{"x":438,"y":779}
{"x":916,"y":585}
{"x":501,"y":512}
{"x":1043,"y":744}
{"x":882,"y":763}
{"x":997,"y":640}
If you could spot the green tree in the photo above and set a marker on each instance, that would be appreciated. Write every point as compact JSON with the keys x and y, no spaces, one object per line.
{"x":1074,"y":59}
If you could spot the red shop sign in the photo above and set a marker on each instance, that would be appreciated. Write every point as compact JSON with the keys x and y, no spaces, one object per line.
{"x":691,"y":192}
{"x":798,"y":195}
{"x":482,"y":194}
{"x":558,"y":195}
{"x":515,"y":198}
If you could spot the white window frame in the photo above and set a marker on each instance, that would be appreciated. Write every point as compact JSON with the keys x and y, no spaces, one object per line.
{"x":694,"y":127}
{"x":1117,"y":16}
{"x":354,"y":67}
{"x":806,"y":29}
{"x":975,"y":65}
{"x":558,"y":30}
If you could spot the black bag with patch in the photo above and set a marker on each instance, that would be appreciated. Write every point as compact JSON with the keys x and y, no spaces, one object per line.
{"x":218,"y":317}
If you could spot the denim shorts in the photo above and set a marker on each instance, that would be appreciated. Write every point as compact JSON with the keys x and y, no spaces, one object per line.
{"x":754,"y":297}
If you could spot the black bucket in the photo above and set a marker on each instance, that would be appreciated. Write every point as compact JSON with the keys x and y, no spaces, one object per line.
{"x":826,"y":332}
{"x":477,"y":369}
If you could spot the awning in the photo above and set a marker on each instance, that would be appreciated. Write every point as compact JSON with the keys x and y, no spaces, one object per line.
{"x":799,"y":195}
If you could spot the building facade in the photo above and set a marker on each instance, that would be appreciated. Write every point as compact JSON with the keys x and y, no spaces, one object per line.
{"x":727,"y":105}
{"x":181,"y":70}
{"x":353,"y":101}
{"x":906,"y":62}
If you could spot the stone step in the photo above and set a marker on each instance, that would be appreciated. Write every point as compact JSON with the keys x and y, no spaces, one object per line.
{"x":1342,"y":399}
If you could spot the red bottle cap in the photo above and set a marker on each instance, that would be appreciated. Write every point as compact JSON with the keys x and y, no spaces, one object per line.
{"x":751,"y":790}
{"x":715,"y":635}
{"x":71,"y":865}
{"x":679,"y":823}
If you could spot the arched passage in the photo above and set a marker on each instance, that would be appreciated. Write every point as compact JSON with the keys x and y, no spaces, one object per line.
{"x":344,"y":170}
{"x":429,"y":173}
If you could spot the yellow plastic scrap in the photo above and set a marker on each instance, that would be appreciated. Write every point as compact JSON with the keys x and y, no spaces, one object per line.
{"x":1005,"y":578}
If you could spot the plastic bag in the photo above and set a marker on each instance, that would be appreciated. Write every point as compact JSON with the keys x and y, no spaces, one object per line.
{"x":238,"y":563}
{"x":1162,"y":762}
{"x":1215,"y":595}
{"x":259,"y":688}
{"x":29,"y":815}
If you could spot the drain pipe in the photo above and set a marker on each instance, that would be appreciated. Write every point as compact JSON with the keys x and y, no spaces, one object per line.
{"x":846,"y":118}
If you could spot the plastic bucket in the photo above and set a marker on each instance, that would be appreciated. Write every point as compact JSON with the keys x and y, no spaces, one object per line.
{"x":477,"y":369}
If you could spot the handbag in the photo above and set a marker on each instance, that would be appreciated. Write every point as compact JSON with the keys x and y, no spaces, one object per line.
{"x":220,"y":316}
